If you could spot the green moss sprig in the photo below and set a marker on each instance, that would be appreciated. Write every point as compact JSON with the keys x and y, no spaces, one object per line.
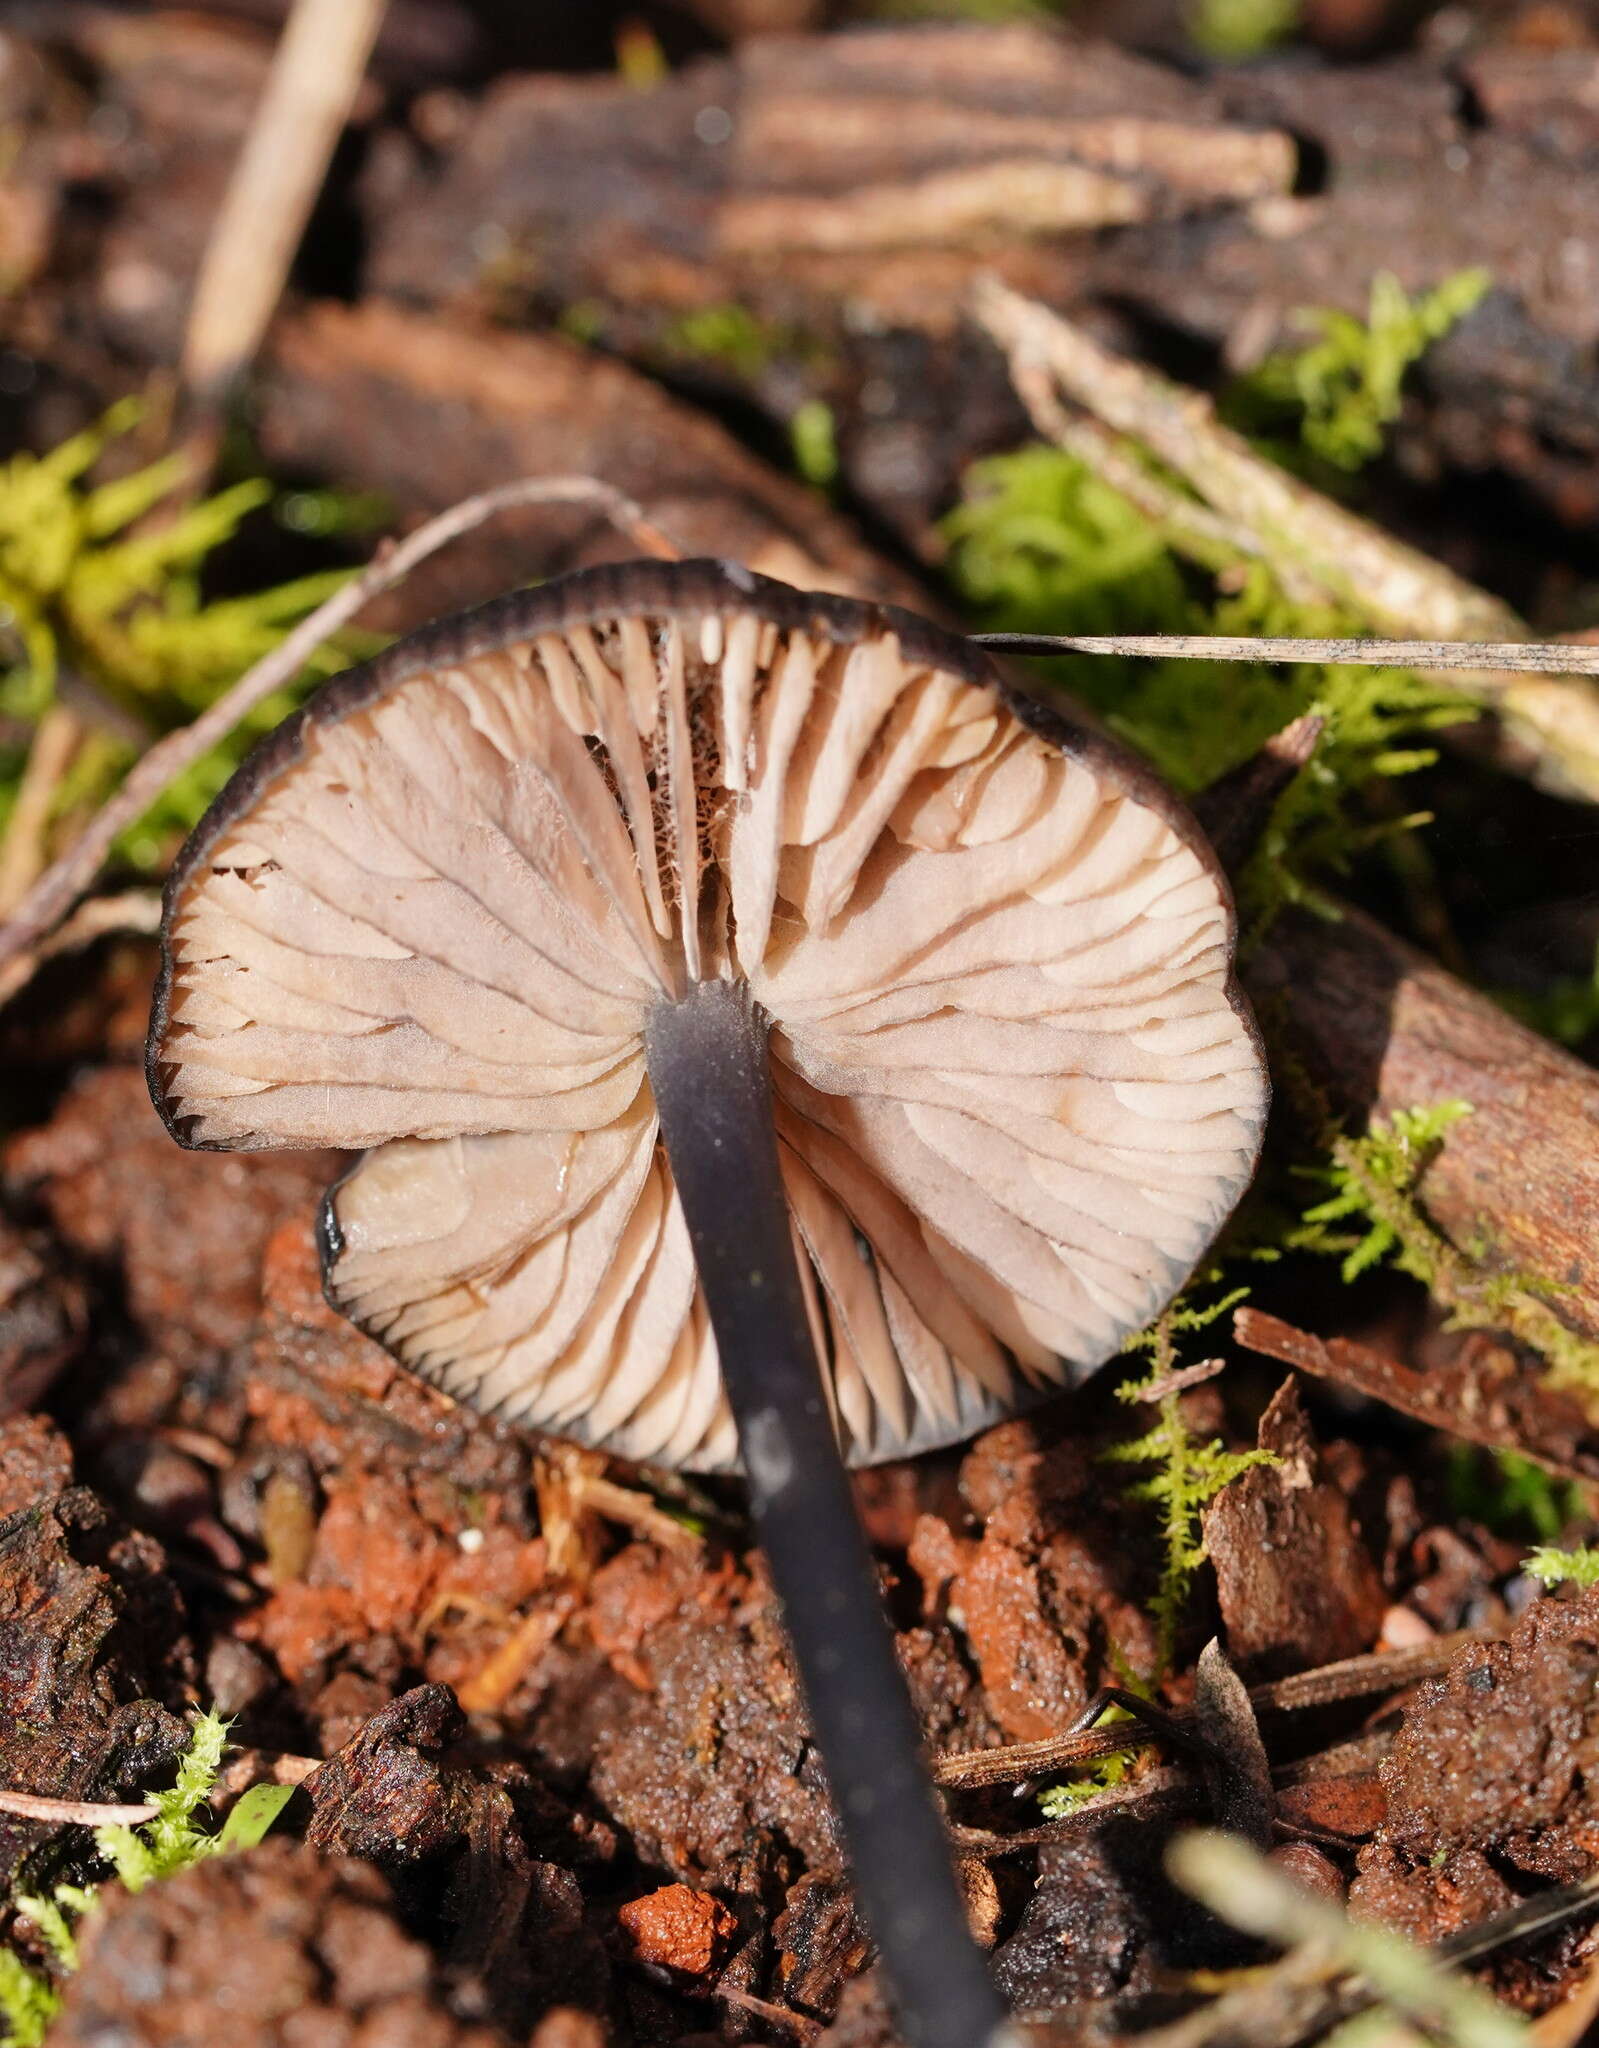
{"x":1374,"y":1181}
{"x":174,"y":1839}
{"x":1343,"y":392}
{"x":1190,"y":1473}
{"x":1554,"y":1567}
{"x":102,"y":582}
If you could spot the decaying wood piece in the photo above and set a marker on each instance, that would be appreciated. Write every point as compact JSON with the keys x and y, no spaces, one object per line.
{"x":1551,"y":723}
{"x":819,"y":147}
{"x":1486,"y":1400}
{"x":1426,"y":169}
{"x":834,"y":196}
{"x":1380,"y":1028}
{"x":429,"y":411}
{"x":1237,"y":1771}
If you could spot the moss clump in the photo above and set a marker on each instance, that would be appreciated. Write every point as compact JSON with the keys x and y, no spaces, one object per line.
{"x":1339,"y":396}
{"x":102,"y":583}
{"x":1042,"y":545}
{"x":813,"y":436}
{"x":1233,"y":30}
{"x":173,"y":1840}
{"x":732,"y":337}
{"x":1509,"y":1494}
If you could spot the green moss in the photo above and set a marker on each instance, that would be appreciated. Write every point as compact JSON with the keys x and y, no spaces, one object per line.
{"x":1561,"y":1567}
{"x":812,"y":435}
{"x":1233,"y":30}
{"x":334,"y":515}
{"x":104,"y":582}
{"x":1509,"y":1494}
{"x":1341,"y":394}
{"x":1373,"y":1181}
{"x":28,"y":2002}
{"x":1190,"y":1472}
{"x":731,"y":336}
{"x":175,"y":1839}
{"x":640,"y":61}
{"x":1056,"y":1801}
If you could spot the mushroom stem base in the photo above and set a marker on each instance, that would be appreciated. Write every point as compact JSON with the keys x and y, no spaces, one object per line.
{"x":708,"y":1066}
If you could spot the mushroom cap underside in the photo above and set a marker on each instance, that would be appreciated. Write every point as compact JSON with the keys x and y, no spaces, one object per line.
{"x":1016,"y":1089}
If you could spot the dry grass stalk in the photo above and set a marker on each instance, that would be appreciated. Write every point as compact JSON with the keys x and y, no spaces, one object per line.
{"x":310,"y":91}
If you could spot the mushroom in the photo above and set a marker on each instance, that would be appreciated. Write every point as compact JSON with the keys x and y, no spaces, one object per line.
{"x":767,"y":1035}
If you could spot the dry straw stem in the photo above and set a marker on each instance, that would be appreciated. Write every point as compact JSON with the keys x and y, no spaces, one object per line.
{"x":66,"y":879}
{"x":22,"y":852}
{"x":132,"y":913}
{"x":1548,"y":719}
{"x":1239,"y":1885}
{"x":315,"y":76}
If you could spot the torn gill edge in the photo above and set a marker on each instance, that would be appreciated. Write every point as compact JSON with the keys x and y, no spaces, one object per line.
{"x":707,"y":1062}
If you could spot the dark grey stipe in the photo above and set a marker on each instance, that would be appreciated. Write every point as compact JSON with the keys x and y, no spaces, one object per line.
{"x":708,"y":1067}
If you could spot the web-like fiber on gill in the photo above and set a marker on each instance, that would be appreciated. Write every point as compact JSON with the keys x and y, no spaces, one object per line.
{"x":1004,"y":1053}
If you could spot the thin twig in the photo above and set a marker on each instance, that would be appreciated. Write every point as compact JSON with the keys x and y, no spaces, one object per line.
{"x":968,"y":1769}
{"x":1192,"y":527}
{"x":1180,"y":1379}
{"x":1486,"y":657}
{"x":1352,"y":1678}
{"x":763,"y":2008}
{"x":83,"y":1813}
{"x":1359,"y":1677}
{"x":68,"y":877}
{"x":316,"y":73}
{"x":135,"y":912}
{"x":22,"y":852}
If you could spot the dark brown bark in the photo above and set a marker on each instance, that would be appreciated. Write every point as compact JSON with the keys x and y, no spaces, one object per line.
{"x":843,"y":192}
{"x":826,"y":147}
